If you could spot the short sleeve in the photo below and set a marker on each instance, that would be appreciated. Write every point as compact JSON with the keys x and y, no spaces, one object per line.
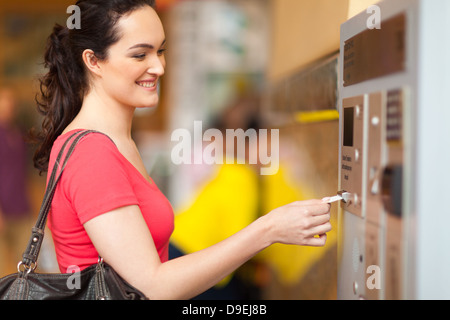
{"x":95,"y":179}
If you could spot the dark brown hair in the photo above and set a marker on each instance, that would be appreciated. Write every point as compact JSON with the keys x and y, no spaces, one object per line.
{"x":63,"y":87}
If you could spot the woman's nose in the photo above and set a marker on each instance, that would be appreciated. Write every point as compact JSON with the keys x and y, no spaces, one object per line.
{"x":157,"y":66}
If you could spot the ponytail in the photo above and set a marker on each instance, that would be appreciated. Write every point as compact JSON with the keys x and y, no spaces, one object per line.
{"x":64,"y":86}
{"x":60,"y":93}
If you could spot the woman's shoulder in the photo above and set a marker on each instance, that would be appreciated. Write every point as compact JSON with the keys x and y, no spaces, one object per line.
{"x":94,"y":144}
{"x":92,"y":138}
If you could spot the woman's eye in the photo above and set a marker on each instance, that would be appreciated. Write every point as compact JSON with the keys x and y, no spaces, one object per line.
{"x":140,"y":56}
{"x":161,"y":52}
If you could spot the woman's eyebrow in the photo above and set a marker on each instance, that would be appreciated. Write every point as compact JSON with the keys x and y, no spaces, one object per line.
{"x":142,"y":45}
{"x":145,"y":45}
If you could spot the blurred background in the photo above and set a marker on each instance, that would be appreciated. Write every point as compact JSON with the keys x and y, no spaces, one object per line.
{"x":262,"y":64}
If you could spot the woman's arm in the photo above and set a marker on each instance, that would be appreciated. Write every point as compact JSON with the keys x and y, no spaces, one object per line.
{"x":123,"y":240}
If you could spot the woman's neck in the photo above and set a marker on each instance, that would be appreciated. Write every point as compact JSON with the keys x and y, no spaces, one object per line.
{"x":102,"y":113}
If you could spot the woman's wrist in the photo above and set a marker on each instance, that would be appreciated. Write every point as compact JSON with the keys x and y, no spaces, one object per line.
{"x":267,"y":230}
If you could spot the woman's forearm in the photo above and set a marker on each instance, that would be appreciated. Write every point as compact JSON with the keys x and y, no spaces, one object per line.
{"x":189,"y":275}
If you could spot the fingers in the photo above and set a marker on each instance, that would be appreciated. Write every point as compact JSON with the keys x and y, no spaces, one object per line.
{"x":302,"y":223}
{"x":320,"y":229}
{"x":318,"y":241}
{"x":319,"y":221}
{"x":310,"y":202}
{"x":313,"y":207}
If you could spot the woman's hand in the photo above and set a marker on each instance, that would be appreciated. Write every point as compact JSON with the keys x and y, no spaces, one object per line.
{"x":300,"y":223}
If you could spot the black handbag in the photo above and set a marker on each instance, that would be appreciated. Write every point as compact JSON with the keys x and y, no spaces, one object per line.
{"x":97,"y":282}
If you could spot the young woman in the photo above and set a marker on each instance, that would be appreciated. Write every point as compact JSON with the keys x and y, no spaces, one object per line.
{"x":106,"y":204}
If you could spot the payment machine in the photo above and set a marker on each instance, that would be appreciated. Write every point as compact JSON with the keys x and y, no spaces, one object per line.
{"x":394,"y":159}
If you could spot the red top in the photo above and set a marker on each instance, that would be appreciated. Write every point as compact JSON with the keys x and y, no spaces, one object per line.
{"x":96,"y":180}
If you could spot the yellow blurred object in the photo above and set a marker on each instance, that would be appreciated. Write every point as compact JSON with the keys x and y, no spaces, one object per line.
{"x":224,"y":206}
{"x":316,"y":116}
{"x":290,"y":263}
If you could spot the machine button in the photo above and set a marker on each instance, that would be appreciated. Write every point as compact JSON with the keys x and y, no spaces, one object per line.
{"x":358,"y":111}
{"x":355,"y":287}
{"x":375,"y":187}
{"x":357,"y":155}
{"x":375,"y":121}
{"x":355,"y":199}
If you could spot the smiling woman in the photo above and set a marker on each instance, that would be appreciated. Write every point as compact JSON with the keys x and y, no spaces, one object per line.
{"x":72,"y":53}
{"x":106,"y":204}
{"x":140,"y":53}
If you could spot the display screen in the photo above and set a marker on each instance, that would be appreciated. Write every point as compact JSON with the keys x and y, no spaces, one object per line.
{"x":348,"y":126}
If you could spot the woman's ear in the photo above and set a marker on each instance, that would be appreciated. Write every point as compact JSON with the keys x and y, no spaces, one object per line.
{"x":91,"y":62}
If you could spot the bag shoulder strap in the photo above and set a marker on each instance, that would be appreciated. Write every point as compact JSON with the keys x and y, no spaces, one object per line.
{"x":30,"y":256}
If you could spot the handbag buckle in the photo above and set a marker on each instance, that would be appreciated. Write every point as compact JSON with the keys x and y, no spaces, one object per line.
{"x":27,"y":268}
